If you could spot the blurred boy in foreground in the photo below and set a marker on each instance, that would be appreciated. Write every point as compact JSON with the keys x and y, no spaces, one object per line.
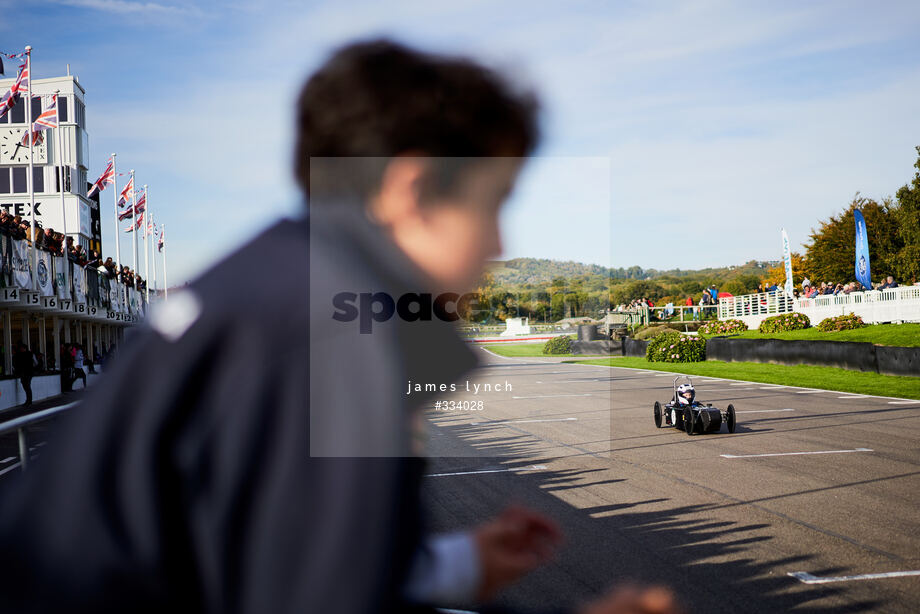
{"x":272,"y":462}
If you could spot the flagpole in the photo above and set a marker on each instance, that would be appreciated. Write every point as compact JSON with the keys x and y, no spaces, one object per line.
{"x":146,"y":247}
{"x":60,"y":148}
{"x":153,"y":256}
{"x":117,"y":224}
{"x":134,"y":221}
{"x":165,"y":283}
{"x":31,"y":178}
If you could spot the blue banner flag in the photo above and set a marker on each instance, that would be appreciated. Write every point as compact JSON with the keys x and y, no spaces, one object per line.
{"x":863,"y":272}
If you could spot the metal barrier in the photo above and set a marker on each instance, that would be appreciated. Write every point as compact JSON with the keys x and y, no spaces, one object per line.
{"x":23,"y":422}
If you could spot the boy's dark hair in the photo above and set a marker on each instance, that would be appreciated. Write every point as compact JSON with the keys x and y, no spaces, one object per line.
{"x":374,"y":100}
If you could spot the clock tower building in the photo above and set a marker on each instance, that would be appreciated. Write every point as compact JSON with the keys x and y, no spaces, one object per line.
{"x":82,"y":213}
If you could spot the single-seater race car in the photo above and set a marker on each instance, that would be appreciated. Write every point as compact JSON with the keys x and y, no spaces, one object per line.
{"x":690,"y":415}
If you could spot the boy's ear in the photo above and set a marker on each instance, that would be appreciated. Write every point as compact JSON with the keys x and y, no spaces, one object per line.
{"x":398,"y":198}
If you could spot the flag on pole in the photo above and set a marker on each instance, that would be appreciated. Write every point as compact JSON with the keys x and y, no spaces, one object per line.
{"x":48,"y":118}
{"x":136,"y":225}
{"x":107,"y":177}
{"x":37,"y":138}
{"x":787,"y":260}
{"x":863,"y":270}
{"x":151,"y":227}
{"x":161,"y":240}
{"x":141,"y":205}
{"x":12,"y":95}
{"x":127,"y":194}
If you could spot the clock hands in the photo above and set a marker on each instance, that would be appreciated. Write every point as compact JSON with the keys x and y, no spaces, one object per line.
{"x":16,"y":151}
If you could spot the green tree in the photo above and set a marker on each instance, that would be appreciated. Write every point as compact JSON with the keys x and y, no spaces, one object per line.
{"x":907,"y":260}
{"x":830,"y":255}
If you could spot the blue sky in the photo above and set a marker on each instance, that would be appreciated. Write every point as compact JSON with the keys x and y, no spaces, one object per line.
{"x":708,"y":124}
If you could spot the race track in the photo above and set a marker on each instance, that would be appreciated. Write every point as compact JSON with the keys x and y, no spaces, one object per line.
{"x":818,"y":482}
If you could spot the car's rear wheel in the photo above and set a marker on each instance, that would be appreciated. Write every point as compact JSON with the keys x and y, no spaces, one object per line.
{"x":657,"y":414}
{"x":730,"y":418}
{"x":689,"y":422}
{"x":677,"y":419}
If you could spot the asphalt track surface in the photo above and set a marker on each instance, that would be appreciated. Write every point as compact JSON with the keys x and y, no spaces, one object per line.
{"x":723,"y":528}
{"x":36,"y":434}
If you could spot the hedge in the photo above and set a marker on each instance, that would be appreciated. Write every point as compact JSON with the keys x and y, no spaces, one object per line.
{"x":846,"y":322}
{"x":784,"y":322}
{"x":558,"y":345}
{"x":674,"y":347}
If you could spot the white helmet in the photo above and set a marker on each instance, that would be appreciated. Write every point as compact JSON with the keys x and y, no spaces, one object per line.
{"x":685,"y":394}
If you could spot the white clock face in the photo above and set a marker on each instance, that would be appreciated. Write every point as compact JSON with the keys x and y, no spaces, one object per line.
{"x":12,"y":151}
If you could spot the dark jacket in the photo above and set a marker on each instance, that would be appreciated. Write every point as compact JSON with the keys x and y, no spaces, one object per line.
{"x":23,"y":364}
{"x":204,"y":472}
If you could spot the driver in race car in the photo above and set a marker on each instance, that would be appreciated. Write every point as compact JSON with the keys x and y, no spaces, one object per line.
{"x":686,"y":394}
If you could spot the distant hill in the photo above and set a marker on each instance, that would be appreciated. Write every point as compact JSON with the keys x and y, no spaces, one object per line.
{"x":525,"y":271}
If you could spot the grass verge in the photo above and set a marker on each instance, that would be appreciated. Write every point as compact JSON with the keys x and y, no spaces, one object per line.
{"x":904,"y":335}
{"x":805,"y":376}
{"x":517,"y":350}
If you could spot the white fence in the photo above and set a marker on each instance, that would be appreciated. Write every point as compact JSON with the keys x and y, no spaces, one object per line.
{"x":875,"y":306}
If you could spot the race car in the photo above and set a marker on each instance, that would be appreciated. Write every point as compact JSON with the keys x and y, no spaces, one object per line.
{"x":690,"y":415}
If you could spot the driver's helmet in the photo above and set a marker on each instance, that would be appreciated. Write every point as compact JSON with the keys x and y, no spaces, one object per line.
{"x":685,"y":394}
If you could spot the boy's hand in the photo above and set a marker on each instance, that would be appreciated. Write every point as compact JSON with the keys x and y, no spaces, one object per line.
{"x":635,"y":600}
{"x":512,"y":545}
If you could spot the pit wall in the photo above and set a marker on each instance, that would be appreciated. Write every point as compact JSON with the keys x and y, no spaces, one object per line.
{"x":867,"y":357}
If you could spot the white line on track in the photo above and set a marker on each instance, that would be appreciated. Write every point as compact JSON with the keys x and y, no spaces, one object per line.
{"x":760,"y":411}
{"x":794,"y":453}
{"x":807,"y":578}
{"x":531,"y":468}
{"x":10,"y":468}
{"x":549,"y":396}
{"x":902,"y":402}
{"x":520,"y":421}
{"x":810,"y":391}
{"x":573,"y":381}
{"x":739,"y":384}
{"x":855,"y":396}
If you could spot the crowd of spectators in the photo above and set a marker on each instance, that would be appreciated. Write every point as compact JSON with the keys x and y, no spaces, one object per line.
{"x":812,"y":290}
{"x":46,"y":239}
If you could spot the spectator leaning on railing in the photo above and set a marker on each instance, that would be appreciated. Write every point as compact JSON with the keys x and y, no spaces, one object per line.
{"x":888,"y":284}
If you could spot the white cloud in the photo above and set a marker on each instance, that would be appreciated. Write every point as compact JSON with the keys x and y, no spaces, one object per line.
{"x":128,"y":7}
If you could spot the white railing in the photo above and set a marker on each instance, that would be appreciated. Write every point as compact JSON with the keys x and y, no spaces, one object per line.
{"x":874,"y":306}
{"x":754,"y":306}
{"x":893,"y":305}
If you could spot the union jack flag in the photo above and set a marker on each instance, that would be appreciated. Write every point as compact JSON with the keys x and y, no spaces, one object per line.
{"x":48,"y":118}
{"x":107,"y":177}
{"x":137,"y":225}
{"x":126,"y":194}
{"x":12,"y":95}
{"x":37,"y":138}
{"x":141,"y":205}
{"x":151,"y":227}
